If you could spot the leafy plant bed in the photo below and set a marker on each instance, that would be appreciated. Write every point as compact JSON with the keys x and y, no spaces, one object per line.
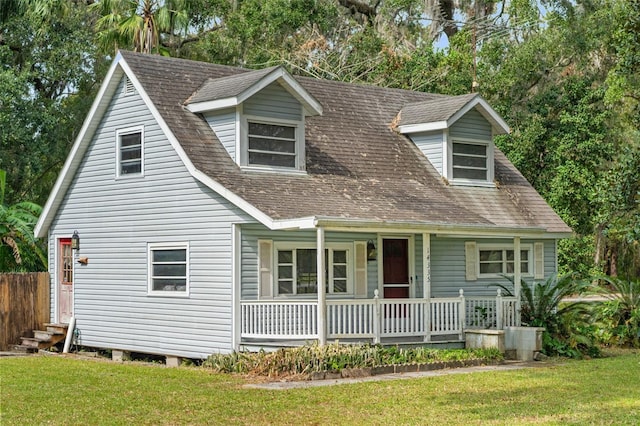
{"x":335,"y":360}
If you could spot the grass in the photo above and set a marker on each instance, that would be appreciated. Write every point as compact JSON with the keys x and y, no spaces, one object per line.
{"x":69,"y":391}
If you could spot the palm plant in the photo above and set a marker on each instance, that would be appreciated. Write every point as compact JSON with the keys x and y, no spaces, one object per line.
{"x":19,"y":249}
{"x":139,"y":24}
{"x":544,"y":304}
{"x":619,"y":316}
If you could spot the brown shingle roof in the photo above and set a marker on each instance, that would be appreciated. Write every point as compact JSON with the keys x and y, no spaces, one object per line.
{"x":357,"y":167}
{"x":229,"y":86}
{"x":439,"y":109}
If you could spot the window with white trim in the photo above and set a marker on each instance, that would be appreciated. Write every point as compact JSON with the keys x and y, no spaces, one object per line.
{"x":130,"y":145}
{"x":494,"y":261}
{"x":296,"y":269}
{"x":271,"y":145}
{"x":169,"y":269}
{"x":470,"y":161}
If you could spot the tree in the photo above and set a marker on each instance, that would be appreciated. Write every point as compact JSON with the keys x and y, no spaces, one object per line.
{"x":19,"y":249}
{"x":50,"y":72}
{"x":567,"y":138}
{"x":156,"y":26}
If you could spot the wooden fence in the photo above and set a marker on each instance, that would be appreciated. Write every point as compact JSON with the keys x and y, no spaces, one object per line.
{"x":24,"y":306}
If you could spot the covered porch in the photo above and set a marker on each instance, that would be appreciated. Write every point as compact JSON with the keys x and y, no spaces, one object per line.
{"x":377,"y":306}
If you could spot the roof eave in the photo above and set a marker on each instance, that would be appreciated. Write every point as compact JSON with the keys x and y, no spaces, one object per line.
{"x":477,"y":230}
{"x":213,"y":105}
{"x":422,"y":127}
{"x":498,"y":125}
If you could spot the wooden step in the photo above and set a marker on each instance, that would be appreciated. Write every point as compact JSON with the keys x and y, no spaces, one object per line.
{"x":44,"y":336}
{"x":43,"y":339}
{"x":57,"y":328}
{"x":31,"y":342}
{"x":24,"y":349}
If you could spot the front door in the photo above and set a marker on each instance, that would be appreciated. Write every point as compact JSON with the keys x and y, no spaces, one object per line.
{"x":65,"y":281}
{"x":395,"y":267}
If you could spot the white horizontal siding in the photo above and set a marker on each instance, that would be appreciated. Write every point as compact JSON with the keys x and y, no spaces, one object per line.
{"x":430,"y":143}
{"x":117,"y":218}
{"x":471,"y":126}
{"x":223,"y":124}
{"x":274,"y":102}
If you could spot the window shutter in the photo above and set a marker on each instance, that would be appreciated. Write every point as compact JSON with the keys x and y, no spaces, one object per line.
{"x":361,"y":269}
{"x":265,"y":265}
{"x":538,"y":258}
{"x":471,"y":254}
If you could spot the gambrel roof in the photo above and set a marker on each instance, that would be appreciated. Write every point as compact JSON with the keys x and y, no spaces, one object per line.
{"x":361,"y":171}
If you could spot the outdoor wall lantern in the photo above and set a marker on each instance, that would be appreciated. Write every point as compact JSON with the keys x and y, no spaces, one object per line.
{"x":371,"y":250}
{"x":75,"y":241}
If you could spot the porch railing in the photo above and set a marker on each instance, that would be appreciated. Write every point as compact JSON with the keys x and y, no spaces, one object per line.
{"x":290,"y":319}
{"x":376,"y":318}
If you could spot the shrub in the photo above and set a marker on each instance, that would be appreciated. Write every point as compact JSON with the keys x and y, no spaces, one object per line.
{"x":566,"y":324}
{"x":335,"y":357}
{"x":619,"y":317}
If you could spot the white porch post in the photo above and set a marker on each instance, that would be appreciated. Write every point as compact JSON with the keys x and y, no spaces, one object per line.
{"x":322,"y":305}
{"x":426,"y":279}
{"x":517,"y":276}
{"x":235,"y":290}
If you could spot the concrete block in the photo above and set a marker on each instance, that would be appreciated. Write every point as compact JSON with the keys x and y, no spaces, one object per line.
{"x":526,"y":341}
{"x":485,"y":339}
{"x":120,"y":356}
{"x":356,"y":372}
{"x":173,"y":361}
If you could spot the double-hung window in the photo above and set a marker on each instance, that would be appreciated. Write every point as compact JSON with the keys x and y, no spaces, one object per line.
{"x":169,"y":269}
{"x":470,"y":161}
{"x":272,"y":145}
{"x":297,"y":271}
{"x":495,"y":261}
{"x":130,"y":149}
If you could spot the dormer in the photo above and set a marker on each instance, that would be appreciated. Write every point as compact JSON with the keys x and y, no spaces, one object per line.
{"x":259,"y":118}
{"x":456,"y":135}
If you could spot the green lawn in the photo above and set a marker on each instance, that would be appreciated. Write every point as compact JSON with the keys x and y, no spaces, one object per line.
{"x":58,"y":390}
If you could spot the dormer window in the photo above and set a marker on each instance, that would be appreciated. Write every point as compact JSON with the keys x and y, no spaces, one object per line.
{"x":470,"y":161}
{"x":456,"y":135}
{"x":271,"y":145}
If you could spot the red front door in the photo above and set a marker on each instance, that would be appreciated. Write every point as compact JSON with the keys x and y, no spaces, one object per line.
{"x":65,"y":280}
{"x":395,"y":267}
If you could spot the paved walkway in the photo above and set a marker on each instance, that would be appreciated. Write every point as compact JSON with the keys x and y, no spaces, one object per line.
{"x":283,"y":385}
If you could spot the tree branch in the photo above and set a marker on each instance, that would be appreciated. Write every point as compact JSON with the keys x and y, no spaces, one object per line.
{"x":181,"y":42}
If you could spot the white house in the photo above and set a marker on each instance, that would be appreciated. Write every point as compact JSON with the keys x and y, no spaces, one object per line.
{"x":210,"y":201}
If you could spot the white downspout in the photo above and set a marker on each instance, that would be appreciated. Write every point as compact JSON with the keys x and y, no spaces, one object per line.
{"x":69,"y":337}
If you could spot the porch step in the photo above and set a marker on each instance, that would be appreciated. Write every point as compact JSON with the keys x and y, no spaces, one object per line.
{"x":43,"y":339}
{"x":24,"y":349}
{"x":57,"y":328}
